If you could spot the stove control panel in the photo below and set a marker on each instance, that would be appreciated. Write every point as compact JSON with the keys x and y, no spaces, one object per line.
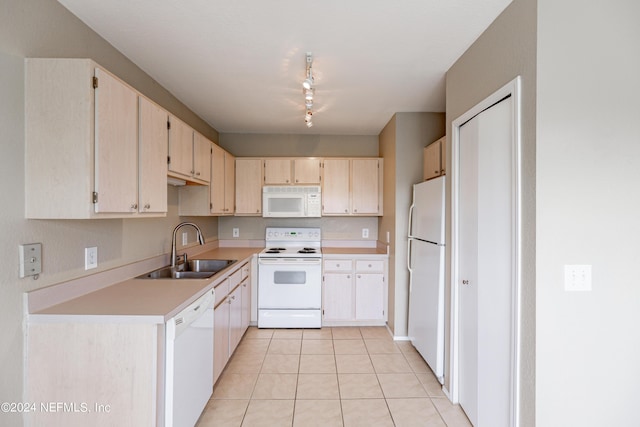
{"x":307,"y":234}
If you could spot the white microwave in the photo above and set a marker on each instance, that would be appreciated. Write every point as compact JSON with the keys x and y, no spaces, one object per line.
{"x":289,"y":201}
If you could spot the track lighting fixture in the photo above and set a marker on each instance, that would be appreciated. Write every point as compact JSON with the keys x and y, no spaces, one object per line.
{"x":309,"y":90}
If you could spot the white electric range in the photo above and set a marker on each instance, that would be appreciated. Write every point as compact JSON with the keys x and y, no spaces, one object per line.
{"x":290,"y":278}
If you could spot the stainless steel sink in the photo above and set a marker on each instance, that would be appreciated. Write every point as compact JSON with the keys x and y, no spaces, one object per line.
{"x":193,"y":269}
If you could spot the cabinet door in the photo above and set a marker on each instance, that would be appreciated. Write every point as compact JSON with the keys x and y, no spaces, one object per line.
{"x":432,"y":158}
{"x":246,"y":304}
{"x":116,"y":145}
{"x":220,"y":337}
{"x":306,"y":171}
{"x":335,"y":187}
{"x":217,"y":185}
{"x":201,"y":157}
{"x":153,"y":162}
{"x":235,"y":318}
{"x":229,"y":182}
{"x":248,"y":187}
{"x":443,"y":155}
{"x":369,"y":296}
{"x":277,"y":171}
{"x":365,"y":186}
{"x":337,"y":296}
{"x":180,"y":147}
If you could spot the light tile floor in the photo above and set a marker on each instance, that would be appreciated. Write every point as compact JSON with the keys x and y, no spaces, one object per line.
{"x":328,"y":377}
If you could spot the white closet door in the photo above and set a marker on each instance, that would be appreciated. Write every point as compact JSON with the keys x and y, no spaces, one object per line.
{"x":486,"y":201}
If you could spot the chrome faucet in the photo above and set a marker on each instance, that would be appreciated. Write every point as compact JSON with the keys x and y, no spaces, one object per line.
{"x":173,"y":240}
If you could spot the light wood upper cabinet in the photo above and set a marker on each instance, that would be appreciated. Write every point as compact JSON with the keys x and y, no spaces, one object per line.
{"x":435,"y":159}
{"x":352,"y":187}
{"x":306,"y":171}
{"x":249,"y":187}
{"x":365,"y":187}
{"x":287,"y":171}
{"x":336,"y":193}
{"x":217,"y":198}
{"x":222,"y":181}
{"x":180,"y":148}
{"x":277,"y":171}
{"x":152,"y":162}
{"x":116,"y":145}
{"x":201,"y":157}
{"x":82,"y":138}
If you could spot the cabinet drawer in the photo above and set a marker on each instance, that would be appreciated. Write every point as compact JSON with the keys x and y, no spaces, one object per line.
{"x":245,"y":269}
{"x":235,"y":279}
{"x":338,"y":265}
{"x":369,"y":266}
{"x":222,"y":290}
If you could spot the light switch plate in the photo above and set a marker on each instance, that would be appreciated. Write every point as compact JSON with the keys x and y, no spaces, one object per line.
{"x":30,"y":259}
{"x":90,"y":258}
{"x":236,"y":232}
{"x":577,"y":278}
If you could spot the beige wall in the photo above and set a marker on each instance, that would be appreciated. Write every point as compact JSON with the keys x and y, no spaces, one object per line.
{"x":401,"y":144}
{"x":43,"y":28}
{"x":273,"y":145}
{"x":588,"y":211}
{"x":505,"y":50}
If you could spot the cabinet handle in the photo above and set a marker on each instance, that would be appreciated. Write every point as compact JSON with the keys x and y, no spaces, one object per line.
{"x":147,"y":206}
{"x":359,"y":276}
{"x":435,"y":171}
{"x":346,"y":211}
{"x":355,"y":210}
{"x":197,"y":173}
{"x":134,"y":206}
{"x":337,"y":265}
{"x":465,"y":282}
{"x":257,"y":210}
{"x":297,"y":180}
{"x":369,"y":265}
{"x":348,"y":276}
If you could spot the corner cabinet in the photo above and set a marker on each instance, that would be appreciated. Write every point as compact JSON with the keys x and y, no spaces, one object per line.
{"x":217,"y":198}
{"x":363,"y":194}
{"x":354,"y":290}
{"x":87,"y":152}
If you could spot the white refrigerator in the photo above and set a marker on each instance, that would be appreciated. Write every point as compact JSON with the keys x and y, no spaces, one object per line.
{"x":425,"y":260}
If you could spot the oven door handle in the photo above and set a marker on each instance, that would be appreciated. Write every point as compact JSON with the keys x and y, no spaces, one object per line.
{"x":289,"y":261}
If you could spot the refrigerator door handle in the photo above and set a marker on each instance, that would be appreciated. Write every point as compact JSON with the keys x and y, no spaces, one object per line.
{"x":409,"y":262}
{"x":410,"y":219}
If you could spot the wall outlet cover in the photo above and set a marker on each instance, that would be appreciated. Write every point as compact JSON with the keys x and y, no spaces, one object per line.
{"x":90,"y":258}
{"x":236,"y":232}
{"x":577,"y":278}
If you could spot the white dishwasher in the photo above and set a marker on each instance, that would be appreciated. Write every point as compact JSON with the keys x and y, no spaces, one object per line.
{"x":189,"y":362}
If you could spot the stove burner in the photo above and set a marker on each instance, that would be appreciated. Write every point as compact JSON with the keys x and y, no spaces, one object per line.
{"x":272,"y":251}
{"x":307,"y":251}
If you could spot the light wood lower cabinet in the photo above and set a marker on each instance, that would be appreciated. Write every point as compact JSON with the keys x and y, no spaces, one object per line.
{"x":354,"y":290}
{"x":231,"y":316}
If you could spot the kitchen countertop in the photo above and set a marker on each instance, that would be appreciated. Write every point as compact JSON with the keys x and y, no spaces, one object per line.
{"x":353,"y":251}
{"x":145,"y":300}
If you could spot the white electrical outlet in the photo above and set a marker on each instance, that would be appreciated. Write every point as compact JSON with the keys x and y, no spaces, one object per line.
{"x":185,"y":238}
{"x":577,"y":278}
{"x":365,"y":233}
{"x":30,"y":259}
{"x":236,"y":232}
{"x":90,"y":258}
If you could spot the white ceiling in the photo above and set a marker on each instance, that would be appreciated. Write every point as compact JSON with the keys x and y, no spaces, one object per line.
{"x":239,"y":64}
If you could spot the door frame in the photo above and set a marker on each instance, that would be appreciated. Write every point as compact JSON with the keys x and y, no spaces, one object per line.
{"x":512,"y":89}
